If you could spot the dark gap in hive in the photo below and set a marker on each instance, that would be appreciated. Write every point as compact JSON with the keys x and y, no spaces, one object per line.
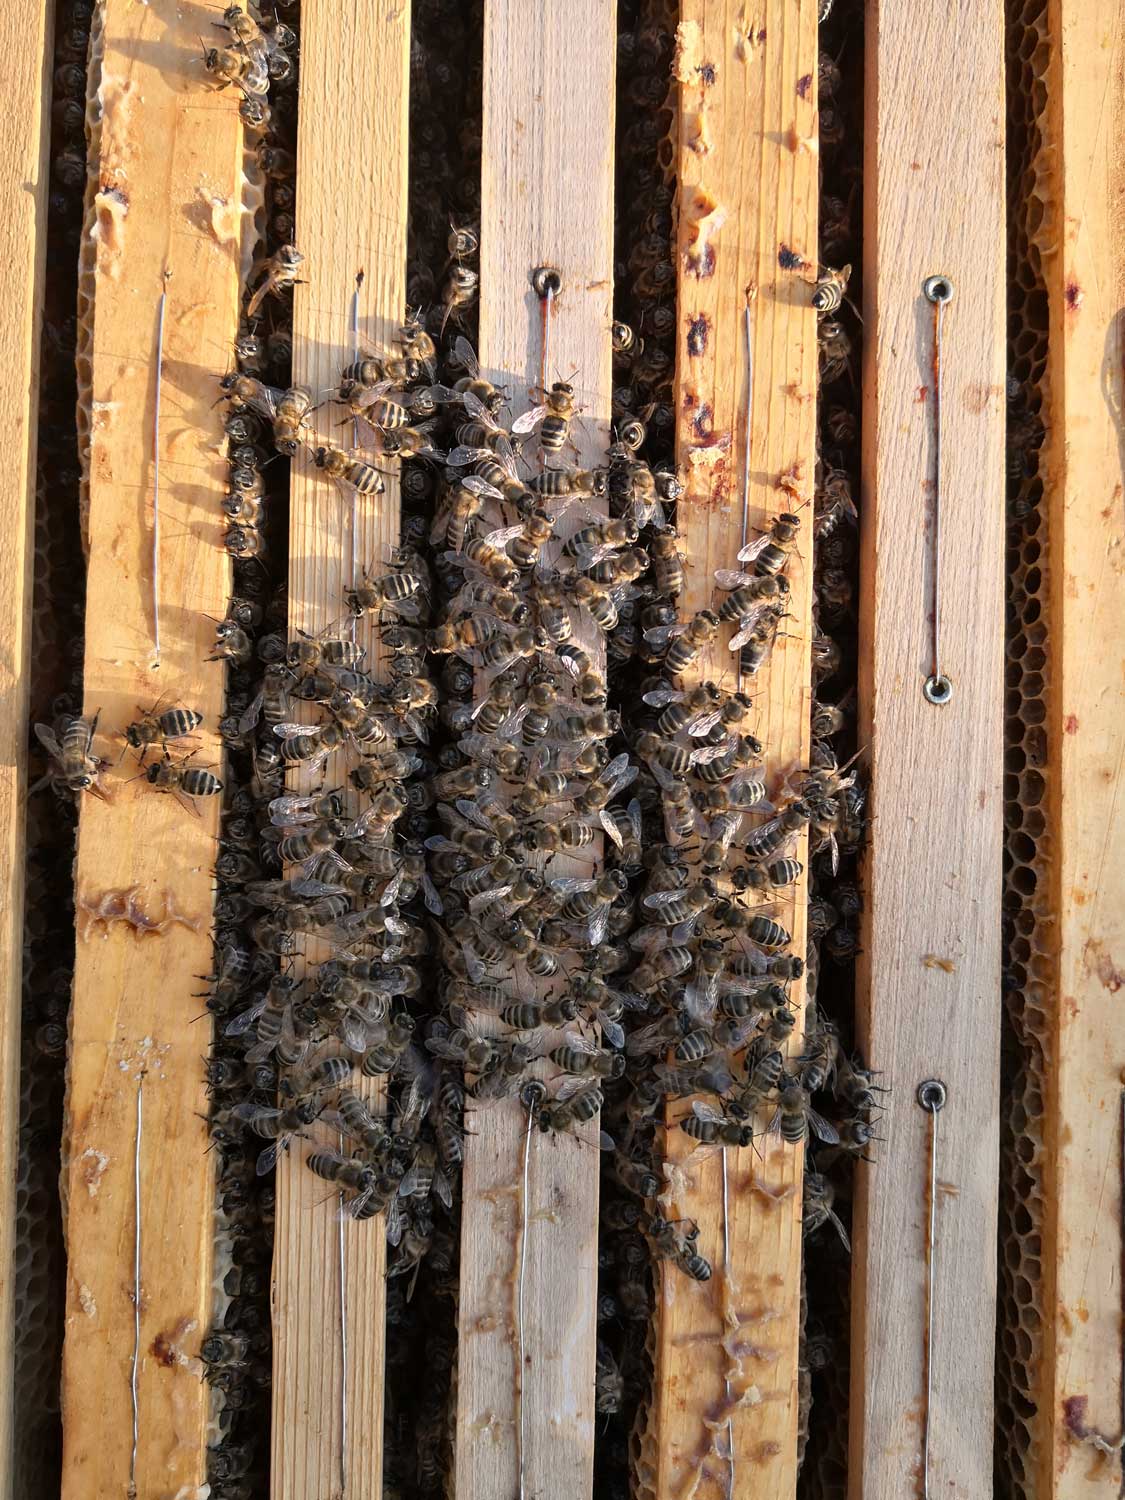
{"x":57,"y":636}
{"x":238,"y":1350}
{"x":835,"y":897}
{"x":1026,"y":1000}
{"x":446,"y":60}
{"x":643,"y":377}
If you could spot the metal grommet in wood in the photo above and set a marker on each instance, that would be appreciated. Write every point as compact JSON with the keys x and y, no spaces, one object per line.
{"x":546,"y":281}
{"x":937,"y":689}
{"x":938,"y":289}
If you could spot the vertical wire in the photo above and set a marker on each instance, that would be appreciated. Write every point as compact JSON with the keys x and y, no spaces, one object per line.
{"x":935,"y":655}
{"x":520,"y":1279}
{"x":136,"y":1287}
{"x":161,"y":309}
{"x":726,"y":1278}
{"x":342,"y":1265}
{"x":355,"y":444}
{"x":748,"y":352}
{"x":931,"y":1095}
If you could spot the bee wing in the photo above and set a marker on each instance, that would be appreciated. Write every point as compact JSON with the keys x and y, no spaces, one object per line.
{"x":285,"y":811}
{"x":529,"y":421}
{"x":396,"y":1222}
{"x":442,"y":1188}
{"x":355,"y":1031}
{"x":461,"y":457}
{"x":242,"y":1023}
{"x":480,"y":486}
{"x":478,"y":903}
{"x":663,"y":898}
{"x":822,"y":1128}
{"x":588,"y":557}
{"x":478,"y":411}
{"x":662,"y":635}
{"x":411,"y":1181}
{"x":580,"y":1043}
{"x":46,"y":738}
{"x":731,"y":578}
{"x":286,"y":731}
{"x":755,"y":548}
{"x":699,"y":996}
{"x":612,"y":1030}
{"x":704,"y":724}
{"x":392,"y":888}
{"x":661,"y":697}
{"x":651,"y":1038}
{"x":725,"y":828}
{"x":250,"y":1112}
{"x":837,"y":1224}
{"x":464,"y":356}
{"x":430,"y":896}
{"x":610,"y":827}
{"x":707,"y":1112}
{"x":440,"y":845}
{"x":504,"y":535}
{"x":472,"y":813}
{"x":571,"y":885}
{"x":253,"y":713}
{"x":570,"y":1086}
{"x":267,"y":1159}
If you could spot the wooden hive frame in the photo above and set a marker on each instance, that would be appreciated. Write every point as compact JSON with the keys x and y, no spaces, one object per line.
{"x":920,"y":187}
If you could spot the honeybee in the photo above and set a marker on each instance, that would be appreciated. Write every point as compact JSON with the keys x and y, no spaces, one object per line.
{"x":290,"y":413}
{"x":667,"y":563}
{"x":397,"y":592}
{"x":281,"y":272}
{"x":464,"y":500}
{"x":795,"y":1116}
{"x":349,"y":1174}
{"x":684,"y":642}
{"x":710,"y":1127}
{"x":580,"y":1055}
{"x":349,"y":469}
{"x":473,"y":381}
{"x":182,"y":779}
{"x":578,"y":483}
{"x":238,"y":66}
{"x":835,"y":348}
{"x":73,"y":768}
{"x":153,"y":728}
{"x":828,"y":293}
{"x":575,"y":1102}
{"x":556,"y":413}
{"x":819,"y":1196}
{"x":459,"y":291}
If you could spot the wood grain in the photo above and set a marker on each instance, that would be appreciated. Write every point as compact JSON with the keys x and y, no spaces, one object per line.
{"x":757,"y":177}
{"x":548,"y":148}
{"x":354,"y":88}
{"x":1085,"y":270}
{"x":167,"y":161}
{"x":24,"y":143}
{"x":928,"y":986}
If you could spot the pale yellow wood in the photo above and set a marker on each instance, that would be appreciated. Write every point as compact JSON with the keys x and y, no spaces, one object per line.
{"x":1085,"y":270}
{"x":929,"y":975}
{"x":24,"y":143}
{"x":170,"y":149}
{"x":546,"y":198}
{"x":354,"y":88}
{"x":757,"y":177}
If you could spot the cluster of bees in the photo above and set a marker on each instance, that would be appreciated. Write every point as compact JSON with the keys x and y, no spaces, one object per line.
{"x":535,"y":788}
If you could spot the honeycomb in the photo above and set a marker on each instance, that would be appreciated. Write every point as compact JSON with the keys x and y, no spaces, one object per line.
{"x":1028,"y":1001}
{"x":56,"y":681}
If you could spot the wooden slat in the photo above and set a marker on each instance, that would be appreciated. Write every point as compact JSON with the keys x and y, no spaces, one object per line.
{"x":354,"y":88}
{"x":929,"y":975}
{"x":24,"y":144}
{"x":739,"y":95}
{"x":168,"y":183}
{"x":546,"y":199}
{"x":1086,"y":455}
